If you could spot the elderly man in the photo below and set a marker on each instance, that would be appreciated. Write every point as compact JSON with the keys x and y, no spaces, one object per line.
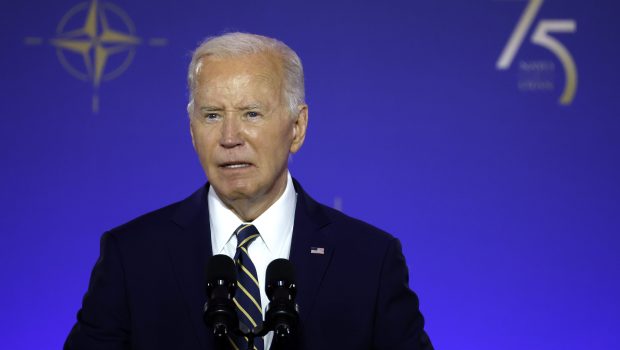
{"x":247,"y":114}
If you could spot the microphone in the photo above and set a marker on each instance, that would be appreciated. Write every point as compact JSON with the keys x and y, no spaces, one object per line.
{"x":219,"y":310}
{"x":282,"y":315}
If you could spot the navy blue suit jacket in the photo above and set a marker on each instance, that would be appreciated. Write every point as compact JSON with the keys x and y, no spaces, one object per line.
{"x":147,"y":289}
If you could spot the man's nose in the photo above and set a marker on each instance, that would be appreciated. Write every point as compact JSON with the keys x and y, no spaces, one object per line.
{"x":231,"y":132}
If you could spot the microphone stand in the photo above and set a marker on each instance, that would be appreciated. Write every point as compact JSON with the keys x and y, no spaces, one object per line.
{"x":259,"y":331}
{"x":281,"y":334}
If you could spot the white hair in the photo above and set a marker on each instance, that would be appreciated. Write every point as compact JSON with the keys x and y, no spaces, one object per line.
{"x":239,"y":44}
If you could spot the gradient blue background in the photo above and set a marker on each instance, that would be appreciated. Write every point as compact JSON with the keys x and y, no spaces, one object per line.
{"x":507,"y":204}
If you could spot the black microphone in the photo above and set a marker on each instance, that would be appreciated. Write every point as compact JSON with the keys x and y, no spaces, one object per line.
{"x":219,"y":310}
{"x":282,"y":315}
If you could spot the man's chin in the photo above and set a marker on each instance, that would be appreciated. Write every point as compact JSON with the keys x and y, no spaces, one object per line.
{"x":230,"y":193}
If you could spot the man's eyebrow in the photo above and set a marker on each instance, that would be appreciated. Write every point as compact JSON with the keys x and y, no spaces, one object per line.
{"x":249,"y":107}
{"x":211,"y":109}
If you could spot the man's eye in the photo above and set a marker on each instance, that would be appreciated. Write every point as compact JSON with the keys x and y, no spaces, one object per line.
{"x":252,"y":114}
{"x":211,"y":116}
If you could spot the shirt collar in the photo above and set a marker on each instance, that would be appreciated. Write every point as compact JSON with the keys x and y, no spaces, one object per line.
{"x":273,"y":224}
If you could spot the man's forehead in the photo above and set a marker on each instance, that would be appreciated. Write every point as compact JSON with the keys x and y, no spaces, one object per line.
{"x":262,"y":65}
{"x":241,"y":89}
{"x":243,"y":79}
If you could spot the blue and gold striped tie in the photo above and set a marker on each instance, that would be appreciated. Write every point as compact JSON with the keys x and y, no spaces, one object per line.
{"x":247,"y":297}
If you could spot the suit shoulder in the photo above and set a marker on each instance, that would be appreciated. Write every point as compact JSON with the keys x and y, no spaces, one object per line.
{"x":165,"y":219}
{"x":152,"y":221}
{"x":350,"y":227}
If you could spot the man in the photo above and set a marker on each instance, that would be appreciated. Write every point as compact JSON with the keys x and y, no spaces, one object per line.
{"x":247,"y":114}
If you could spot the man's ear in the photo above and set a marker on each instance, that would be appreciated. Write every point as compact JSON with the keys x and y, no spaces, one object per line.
{"x":191,"y":132}
{"x":300,"y":124}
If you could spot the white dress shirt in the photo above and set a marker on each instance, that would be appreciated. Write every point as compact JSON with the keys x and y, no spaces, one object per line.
{"x":275,"y":226}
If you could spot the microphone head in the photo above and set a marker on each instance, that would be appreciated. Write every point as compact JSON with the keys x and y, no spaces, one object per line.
{"x":280,"y":270}
{"x":282,"y":316}
{"x":280,"y":273}
{"x":219,"y":311}
{"x":221,"y":267}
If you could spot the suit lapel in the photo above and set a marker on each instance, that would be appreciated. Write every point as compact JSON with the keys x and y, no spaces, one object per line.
{"x":190,"y":249}
{"x":309,"y":233}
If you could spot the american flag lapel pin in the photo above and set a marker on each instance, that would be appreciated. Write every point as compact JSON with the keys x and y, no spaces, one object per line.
{"x":317,"y":250}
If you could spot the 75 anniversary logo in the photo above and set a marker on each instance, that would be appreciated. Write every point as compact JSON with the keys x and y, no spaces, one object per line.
{"x":542,"y":35}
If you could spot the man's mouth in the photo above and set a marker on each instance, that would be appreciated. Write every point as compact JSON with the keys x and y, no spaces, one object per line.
{"x":235,"y":165}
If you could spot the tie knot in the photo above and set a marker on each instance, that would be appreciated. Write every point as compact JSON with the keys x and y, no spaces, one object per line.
{"x":246,"y":233}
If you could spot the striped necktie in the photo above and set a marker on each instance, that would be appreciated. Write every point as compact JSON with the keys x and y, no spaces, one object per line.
{"x":247,"y":297}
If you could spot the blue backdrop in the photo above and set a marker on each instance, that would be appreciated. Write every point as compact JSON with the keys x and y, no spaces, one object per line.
{"x":506,"y":198}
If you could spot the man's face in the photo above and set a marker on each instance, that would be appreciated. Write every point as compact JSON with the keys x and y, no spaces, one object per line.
{"x":243,"y":130}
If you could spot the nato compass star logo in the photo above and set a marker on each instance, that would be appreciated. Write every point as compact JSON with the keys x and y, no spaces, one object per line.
{"x":95,"y":42}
